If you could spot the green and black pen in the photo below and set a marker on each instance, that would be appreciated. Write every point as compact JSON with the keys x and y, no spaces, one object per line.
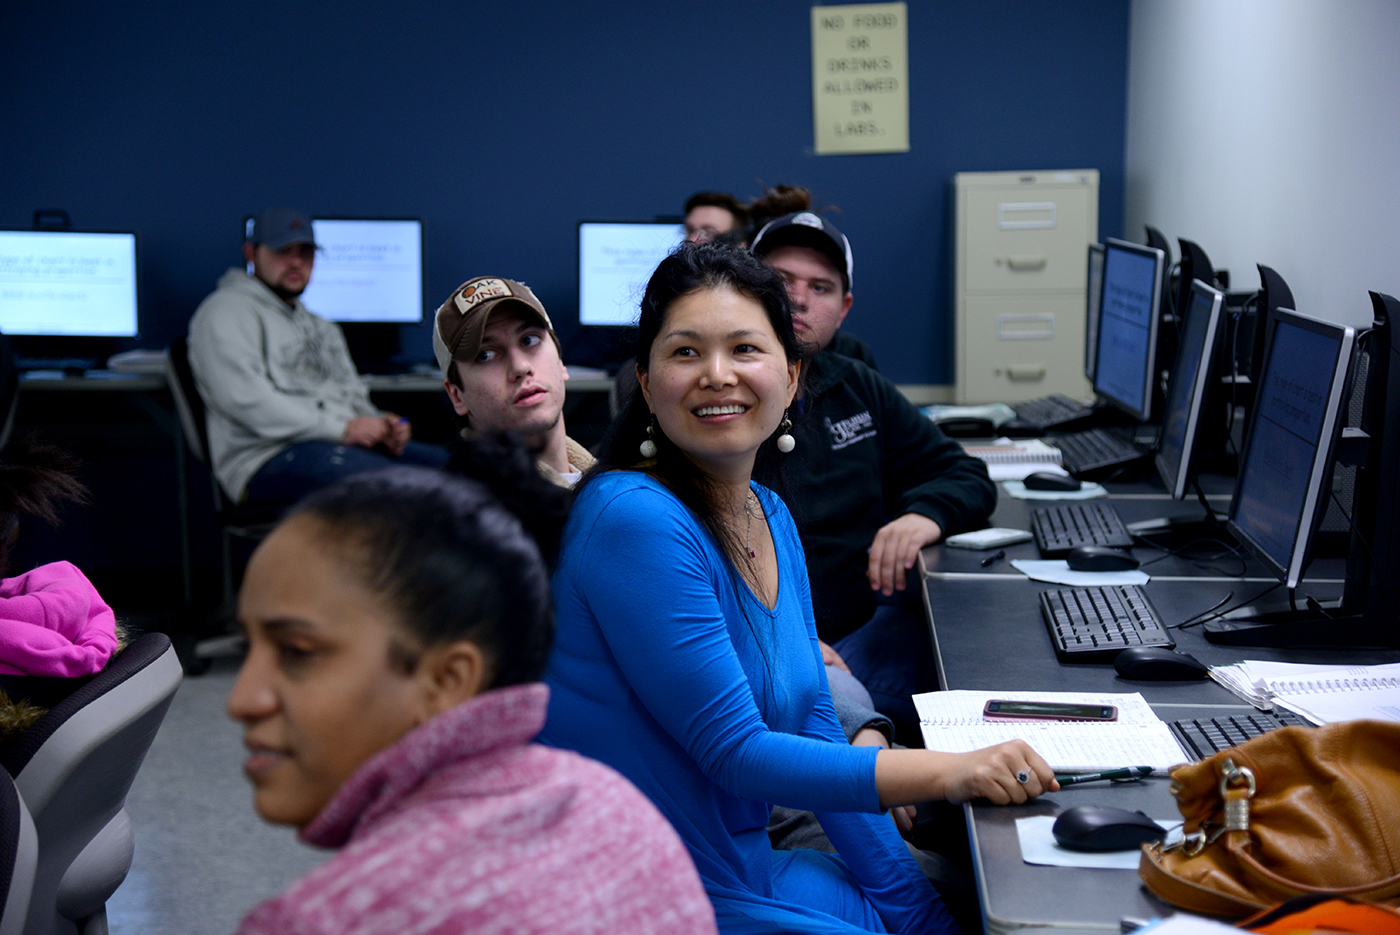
{"x":1128,"y":773}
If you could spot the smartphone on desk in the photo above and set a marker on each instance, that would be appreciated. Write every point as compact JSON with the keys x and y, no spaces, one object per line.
{"x":999,"y":709}
{"x":988,"y":538}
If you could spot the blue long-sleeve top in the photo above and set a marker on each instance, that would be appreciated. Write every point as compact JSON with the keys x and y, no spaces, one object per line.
{"x":667,"y":668}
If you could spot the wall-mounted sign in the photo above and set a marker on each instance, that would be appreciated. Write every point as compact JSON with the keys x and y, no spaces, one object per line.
{"x":860,"y":78}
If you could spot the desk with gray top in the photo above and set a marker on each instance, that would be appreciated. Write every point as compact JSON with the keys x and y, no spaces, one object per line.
{"x":987,"y":634}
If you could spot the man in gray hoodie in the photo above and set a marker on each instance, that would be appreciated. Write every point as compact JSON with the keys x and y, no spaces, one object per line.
{"x":286,"y":410}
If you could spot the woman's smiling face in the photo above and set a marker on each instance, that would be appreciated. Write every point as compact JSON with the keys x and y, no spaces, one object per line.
{"x":718,"y":379}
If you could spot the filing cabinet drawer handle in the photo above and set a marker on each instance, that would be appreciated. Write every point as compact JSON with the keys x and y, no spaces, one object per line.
{"x":1021,"y":373}
{"x":1037,"y":326}
{"x":1026,"y":264}
{"x":1026,"y":215}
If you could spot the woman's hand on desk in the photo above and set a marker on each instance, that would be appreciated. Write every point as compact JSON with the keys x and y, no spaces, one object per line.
{"x":904,"y":777}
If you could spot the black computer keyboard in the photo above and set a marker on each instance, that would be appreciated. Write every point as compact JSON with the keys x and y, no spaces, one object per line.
{"x":1097,"y":450}
{"x":1051,"y":411}
{"x":1096,"y":624}
{"x":1061,"y":527}
{"x":1203,"y":737}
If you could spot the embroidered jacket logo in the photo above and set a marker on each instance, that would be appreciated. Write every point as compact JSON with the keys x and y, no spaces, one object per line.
{"x":849,"y":431}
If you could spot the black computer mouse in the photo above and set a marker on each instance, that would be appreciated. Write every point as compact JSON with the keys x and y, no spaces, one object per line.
{"x":1045,"y":480}
{"x":1104,"y":828}
{"x":1099,"y":558}
{"x":1158,"y":664}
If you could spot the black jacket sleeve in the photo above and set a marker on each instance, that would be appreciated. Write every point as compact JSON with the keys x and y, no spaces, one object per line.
{"x":925,"y":471}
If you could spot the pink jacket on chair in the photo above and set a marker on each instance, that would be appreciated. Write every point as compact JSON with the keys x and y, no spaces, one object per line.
{"x":54,"y":623}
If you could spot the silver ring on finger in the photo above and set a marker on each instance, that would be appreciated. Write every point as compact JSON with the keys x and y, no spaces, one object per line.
{"x":1024,"y":776}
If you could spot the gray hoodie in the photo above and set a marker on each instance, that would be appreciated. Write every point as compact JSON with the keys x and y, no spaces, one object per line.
{"x":271,"y":374}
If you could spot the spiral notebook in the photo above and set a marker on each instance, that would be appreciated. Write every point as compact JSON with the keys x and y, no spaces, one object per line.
{"x":1013,"y":460}
{"x":952,"y":722}
{"x":1322,"y":694}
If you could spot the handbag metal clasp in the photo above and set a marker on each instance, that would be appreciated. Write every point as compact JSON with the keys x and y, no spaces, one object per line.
{"x":1237,"y":787}
{"x":1192,"y":844}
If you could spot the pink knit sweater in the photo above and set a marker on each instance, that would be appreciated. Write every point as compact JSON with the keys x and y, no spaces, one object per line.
{"x":465,"y":826}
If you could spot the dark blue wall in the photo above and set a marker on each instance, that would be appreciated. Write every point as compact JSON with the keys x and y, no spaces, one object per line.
{"x":502,"y":124}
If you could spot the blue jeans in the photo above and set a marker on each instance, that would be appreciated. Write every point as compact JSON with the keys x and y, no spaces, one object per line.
{"x":306,"y":466}
{"x":892,"y":656}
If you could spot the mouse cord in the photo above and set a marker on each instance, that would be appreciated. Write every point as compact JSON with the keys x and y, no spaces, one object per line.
{"x":1206,"y":616}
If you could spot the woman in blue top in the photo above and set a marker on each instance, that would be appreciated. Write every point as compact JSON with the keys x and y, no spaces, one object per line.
{"x":686,"y":655}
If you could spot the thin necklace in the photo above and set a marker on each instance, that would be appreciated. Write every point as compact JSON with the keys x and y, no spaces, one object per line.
{"x":749,"y":502}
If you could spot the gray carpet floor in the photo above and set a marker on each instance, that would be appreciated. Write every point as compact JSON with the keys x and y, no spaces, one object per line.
{"x":203,"y":857}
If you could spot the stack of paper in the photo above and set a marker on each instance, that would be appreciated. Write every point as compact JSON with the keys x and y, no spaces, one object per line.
{"x":1321,"y":694}
{"x":952,"y":722}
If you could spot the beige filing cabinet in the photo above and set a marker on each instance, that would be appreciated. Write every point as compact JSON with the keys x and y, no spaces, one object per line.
{"x":1019,"y":281}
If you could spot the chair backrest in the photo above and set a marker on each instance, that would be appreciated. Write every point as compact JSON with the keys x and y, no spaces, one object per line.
{"x":189,"y":405}
{"x":19,"y":855}
{"x":74,"y":767}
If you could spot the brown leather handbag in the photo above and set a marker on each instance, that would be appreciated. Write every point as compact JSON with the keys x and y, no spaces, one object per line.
{"x":1297,"y":811}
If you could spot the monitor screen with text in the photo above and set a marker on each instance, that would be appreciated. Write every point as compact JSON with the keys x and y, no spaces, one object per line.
{"x":1128,"y":320}
{"x":1286,"y":465}
{"x":367,"y":270}
{"x":68,"y":283}
{"x":615,"y":261}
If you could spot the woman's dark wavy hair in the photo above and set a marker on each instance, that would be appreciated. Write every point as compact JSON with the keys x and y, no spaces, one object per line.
{"x":34,"y":479}
{"x":694,"y":268}
{"x":459,"y":556}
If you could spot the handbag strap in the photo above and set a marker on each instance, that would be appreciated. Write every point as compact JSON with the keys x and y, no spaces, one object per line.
{"x":1185,"y":894}
{"x":1240,"y":847}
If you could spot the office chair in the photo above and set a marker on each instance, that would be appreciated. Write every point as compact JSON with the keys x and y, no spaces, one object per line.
{"x":19,"y":856}
{"x":236,"y":521}
{"x":73,"y":768}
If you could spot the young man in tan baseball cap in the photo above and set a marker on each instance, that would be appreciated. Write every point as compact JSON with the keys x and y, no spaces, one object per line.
{"x":502,"y":369}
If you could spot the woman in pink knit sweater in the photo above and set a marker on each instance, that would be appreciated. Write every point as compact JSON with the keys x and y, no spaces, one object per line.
{"x":398,"y":623}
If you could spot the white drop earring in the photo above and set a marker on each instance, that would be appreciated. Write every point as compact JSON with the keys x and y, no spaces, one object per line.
{"x":785,"y":441}
{"x":648,"y":445}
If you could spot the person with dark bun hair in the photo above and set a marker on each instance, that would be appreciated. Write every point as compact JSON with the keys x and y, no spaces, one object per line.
{"x":776,"y":201}
{"x":711,"y":214}
{"x":788,"y":200}
{"x":686,"y":654}
{"x":398,"y":622}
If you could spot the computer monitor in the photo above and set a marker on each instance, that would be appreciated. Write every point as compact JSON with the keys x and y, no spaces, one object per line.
{"x":1286,"y":466}
{"x":1129,"y":317}
{"x":615,"y":260}
{"x":1368,"y":613}
{"x":68,"y":284}
{"x":368,"y":270}
{"x":1181,"y":443}
{"x":1093,"y":292}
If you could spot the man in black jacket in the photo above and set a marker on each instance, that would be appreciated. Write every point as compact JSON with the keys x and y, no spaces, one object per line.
{"x":870,"y":483}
